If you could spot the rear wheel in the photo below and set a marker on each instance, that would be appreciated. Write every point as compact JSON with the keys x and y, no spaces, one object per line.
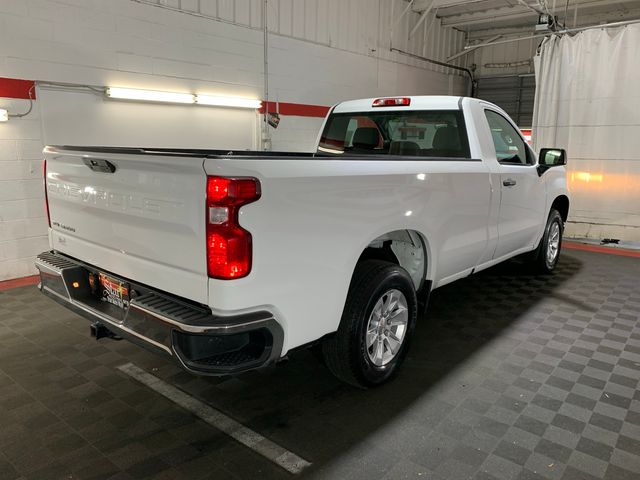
{"x":377,"y":322}
{"x":548,"y":251}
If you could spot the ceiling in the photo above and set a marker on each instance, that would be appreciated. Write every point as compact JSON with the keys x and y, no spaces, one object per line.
{"x":485,"y":18}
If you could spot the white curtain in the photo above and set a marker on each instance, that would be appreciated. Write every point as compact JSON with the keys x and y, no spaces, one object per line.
{"x":588,"y":101}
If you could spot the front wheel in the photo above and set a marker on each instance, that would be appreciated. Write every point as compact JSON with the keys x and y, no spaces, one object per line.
{"x":548,"y":251}
{"x":378,"y":319}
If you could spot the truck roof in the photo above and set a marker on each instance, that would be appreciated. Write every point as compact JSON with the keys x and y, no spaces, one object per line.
{"x":418,"y":102}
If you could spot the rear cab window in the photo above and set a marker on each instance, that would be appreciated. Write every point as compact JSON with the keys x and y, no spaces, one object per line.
{"x":428,"y":133}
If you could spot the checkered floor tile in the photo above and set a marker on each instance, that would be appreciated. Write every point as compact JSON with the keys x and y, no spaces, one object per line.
{"x":510,"y":376}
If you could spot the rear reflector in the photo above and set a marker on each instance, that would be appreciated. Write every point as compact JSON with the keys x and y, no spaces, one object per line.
{"x":392,"y":102}
{"x":229,"y":249}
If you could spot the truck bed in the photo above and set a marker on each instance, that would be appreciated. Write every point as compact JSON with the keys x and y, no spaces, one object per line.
{"x":180,"y":152}
{"x":247,"y":154}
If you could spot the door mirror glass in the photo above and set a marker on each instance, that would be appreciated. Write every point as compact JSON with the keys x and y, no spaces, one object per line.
{"x":552,"y":157}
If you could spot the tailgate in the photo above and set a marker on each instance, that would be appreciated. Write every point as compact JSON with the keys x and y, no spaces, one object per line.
{"x":140,"y":216}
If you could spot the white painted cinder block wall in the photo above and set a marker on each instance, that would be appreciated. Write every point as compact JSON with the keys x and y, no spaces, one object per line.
{"x":320,"y":52}
{"x":23,"y":228}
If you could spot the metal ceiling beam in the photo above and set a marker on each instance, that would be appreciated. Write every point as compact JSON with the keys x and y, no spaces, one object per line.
{"x":420,"y":6}
{"x":530,"y":7}
{"x":472,"y":48}
{"x":527,"y":28}
{"x":397,"y":21}
{"x":496,"y":14}
{"x":561,"y":32}
{"x":404,"y":12}
{"x":422,"y":18}
{"x":519,"y":11}
{"x":454,"y":3}
{"x":484,"y":33}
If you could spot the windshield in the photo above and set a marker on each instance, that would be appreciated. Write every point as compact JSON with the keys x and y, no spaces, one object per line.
{"x":413,"y":133}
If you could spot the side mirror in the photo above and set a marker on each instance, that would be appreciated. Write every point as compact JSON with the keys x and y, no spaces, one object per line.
{"x":551,"y":157}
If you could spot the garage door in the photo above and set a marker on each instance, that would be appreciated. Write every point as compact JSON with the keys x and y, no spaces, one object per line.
{"x":514,"y":94}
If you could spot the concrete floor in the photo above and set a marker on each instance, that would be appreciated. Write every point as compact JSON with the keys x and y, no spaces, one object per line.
{"x":509,"y":376}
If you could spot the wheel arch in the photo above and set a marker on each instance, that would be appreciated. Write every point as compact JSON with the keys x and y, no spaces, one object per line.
{"x":561,"y":204}
{"x":407,"y":248}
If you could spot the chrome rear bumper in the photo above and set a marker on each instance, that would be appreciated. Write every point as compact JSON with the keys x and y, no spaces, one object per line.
{"x":201,"y":342}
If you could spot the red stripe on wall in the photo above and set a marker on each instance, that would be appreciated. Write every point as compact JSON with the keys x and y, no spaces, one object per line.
{"x":296,"y":109}
{"x":19,"y":282}
{"x":624,"y":252}
{"x":15,"y":88}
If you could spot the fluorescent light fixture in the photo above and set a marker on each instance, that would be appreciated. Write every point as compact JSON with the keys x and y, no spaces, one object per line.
{"x":235,"y":102}
{"x":149,"y":95}
{"x":174,"y":97}
{"x":4,"y":115}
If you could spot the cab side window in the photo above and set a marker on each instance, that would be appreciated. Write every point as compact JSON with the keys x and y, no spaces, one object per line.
{"x":510,"y":147}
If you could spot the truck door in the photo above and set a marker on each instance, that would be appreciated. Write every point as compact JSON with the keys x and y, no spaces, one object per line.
{"x":522,"y":202}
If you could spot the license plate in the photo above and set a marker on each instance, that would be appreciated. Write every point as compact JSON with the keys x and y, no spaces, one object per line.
{"x":114,"y":291}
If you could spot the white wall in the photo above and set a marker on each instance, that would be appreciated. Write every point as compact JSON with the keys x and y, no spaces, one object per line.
{"x":22,"y":216}
{"x":92,"y":120}
{"x":325,"y":76}
{"x":321,"y":52}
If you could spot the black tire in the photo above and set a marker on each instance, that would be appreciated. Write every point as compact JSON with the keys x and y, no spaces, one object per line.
{"x":346,"y":353}
{"x":543,"y":262}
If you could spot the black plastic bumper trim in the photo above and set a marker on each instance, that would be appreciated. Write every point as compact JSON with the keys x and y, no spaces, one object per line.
{"x":154,"y":318}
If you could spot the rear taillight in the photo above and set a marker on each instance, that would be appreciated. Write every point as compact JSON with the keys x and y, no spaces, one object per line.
{"x":46,"y":196}
{"x":229,"y":247}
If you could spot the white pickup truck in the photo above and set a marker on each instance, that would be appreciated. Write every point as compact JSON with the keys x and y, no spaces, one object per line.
{"x":226,"y":261}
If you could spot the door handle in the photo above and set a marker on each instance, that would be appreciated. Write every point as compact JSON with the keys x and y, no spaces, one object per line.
{"x":509,"y":182}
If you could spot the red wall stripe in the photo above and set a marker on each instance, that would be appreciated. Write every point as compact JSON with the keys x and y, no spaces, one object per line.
{"x":624,"y":252}
{"x":15,"y":88}
{"x":297,"y":109}
{"x":19,"y":282}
